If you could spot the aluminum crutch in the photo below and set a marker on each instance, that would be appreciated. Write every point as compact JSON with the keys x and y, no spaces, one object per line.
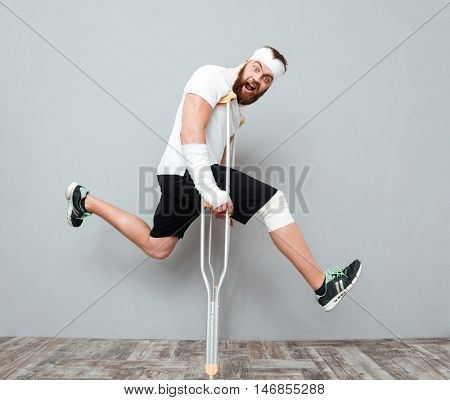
{"x":212,"y":328}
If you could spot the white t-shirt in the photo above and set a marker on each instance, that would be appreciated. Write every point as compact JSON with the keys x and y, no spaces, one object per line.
{"x":211,"y":83}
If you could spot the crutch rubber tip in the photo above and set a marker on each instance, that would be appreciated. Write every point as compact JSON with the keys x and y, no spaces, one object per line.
{"x":211,"y":369}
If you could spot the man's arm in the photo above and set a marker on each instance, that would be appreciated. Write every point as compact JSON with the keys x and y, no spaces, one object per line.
{"x":195,"y":118}
{"x":196,"y":115}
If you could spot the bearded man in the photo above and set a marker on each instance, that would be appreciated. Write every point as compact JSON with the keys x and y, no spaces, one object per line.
{"x":191,"y":170}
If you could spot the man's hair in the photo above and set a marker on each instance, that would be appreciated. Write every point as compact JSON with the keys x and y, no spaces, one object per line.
{"x":278,"y":56}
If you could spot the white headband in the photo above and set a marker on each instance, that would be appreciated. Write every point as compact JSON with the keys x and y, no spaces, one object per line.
{"x":265,"y":55}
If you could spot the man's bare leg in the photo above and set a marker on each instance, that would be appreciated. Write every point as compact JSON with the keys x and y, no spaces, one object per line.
{"x":291,"y":243}
{"x":132,"y":227}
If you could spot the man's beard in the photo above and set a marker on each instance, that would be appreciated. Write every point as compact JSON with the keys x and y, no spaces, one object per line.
{"x":244,"y":98}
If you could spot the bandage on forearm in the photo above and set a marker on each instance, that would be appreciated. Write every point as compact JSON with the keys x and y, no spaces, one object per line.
{"x":198,"y":163}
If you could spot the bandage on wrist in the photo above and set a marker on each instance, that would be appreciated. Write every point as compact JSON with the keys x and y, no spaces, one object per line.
{"x":198,"y":163}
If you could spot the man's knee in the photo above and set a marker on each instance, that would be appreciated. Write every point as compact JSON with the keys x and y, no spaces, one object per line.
{"x":159,"y":251}
{"x":275,"y":212}
{"x":159,"y":254}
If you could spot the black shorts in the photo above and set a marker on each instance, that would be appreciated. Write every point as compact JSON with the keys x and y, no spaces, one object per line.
{"x":180,"y":202}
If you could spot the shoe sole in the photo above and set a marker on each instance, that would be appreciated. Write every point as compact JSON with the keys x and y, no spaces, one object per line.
{"x":69,"y":193}
{"x":335,"y":300}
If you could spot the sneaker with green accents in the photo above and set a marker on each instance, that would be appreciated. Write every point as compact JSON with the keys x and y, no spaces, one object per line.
{"x":338,"y":282}
{"x":75,"y":195}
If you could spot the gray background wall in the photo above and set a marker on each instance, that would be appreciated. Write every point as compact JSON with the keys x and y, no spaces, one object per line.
{"x":376,"y":188}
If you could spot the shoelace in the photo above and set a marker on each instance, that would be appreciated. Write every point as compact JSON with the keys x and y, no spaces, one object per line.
{"x":335,"y":272}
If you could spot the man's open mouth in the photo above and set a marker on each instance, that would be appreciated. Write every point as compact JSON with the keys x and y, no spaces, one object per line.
{"x":250,"y":87}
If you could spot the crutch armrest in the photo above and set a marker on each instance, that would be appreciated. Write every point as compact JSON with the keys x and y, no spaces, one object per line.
{"x":227,"y":98}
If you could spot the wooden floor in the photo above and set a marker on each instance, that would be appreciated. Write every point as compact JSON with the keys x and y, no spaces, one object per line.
{"x":63,"y":358}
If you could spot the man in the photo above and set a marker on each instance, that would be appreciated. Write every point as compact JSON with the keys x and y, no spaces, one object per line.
{"x":191,"y":171}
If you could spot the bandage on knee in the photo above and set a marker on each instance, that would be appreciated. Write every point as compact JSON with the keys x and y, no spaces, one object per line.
{"x":275,"y":212}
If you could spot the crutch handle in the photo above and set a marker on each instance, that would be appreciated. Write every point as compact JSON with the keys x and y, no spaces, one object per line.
{"x":207,"y":205}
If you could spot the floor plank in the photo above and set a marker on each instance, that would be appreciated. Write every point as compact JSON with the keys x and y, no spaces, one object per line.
{"x":84,"y":358}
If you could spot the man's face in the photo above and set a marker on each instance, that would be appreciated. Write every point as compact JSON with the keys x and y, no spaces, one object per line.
{"x":252,"y":82}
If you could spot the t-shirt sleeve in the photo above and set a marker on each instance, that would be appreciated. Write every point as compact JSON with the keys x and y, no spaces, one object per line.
{"x":204,"y":83}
